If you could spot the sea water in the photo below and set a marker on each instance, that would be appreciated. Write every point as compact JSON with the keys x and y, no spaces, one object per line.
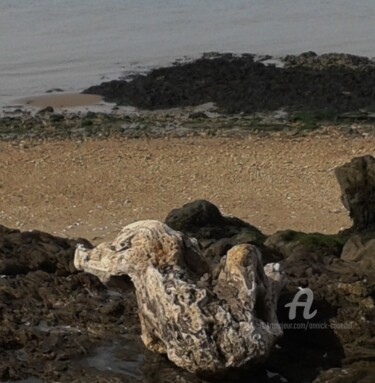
{"x":72,"y":44}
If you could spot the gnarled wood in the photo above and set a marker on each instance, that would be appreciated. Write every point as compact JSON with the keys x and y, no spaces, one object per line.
{"x":205,"y":319}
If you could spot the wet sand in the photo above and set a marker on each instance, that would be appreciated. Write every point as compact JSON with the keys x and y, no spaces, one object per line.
{"x":63,"y":100}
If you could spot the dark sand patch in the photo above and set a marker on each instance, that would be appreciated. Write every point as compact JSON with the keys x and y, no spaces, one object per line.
{"x":65,"y":100}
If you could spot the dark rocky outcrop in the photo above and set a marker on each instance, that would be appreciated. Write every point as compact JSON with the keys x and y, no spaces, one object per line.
{"x":357,"y":182}
{"x":216,"y":233}
{"x":314,"y":61}
{"x":51,"y":316}
{"x":360,"y":248}
{"x":328,"y":84}
{"x":22,"y":252}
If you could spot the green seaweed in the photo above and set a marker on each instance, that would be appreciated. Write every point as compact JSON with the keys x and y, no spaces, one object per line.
{"x":332,"y":242}
{"x":310,"y":119}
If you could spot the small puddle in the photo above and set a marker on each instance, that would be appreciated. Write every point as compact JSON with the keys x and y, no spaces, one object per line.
{"x":44,"y":327}
{"x":118,"y":359}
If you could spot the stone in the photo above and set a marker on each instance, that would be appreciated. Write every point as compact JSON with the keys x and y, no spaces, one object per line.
{"x":360,"y":248}
{"x":194,"y":215}
{"x":240,"y":84}
{"x":22,"y":252}
{"x":357,"y":182}
{"x":49,"y":319}
{"x":215,"y":232}
{"x":206,"y":318}
{"x":46,"y":110}
{"x":197,"y":115}
{"x":291,"y":243}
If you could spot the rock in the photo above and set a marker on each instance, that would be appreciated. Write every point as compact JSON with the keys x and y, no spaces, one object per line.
{"x":358,"y":373}
{"x":360,"y":248}
{"x":207,"y":320}
{"x":357,"y":182}
{"x":197,"y":115}
{"x":22,"y":252}
{"x":57,"y":117}
{"x":238,"y":84}
{"x":215,"y":233}
{"x":54,"y":90}
{"x":49,"y":320}
{"x":325,"y":61}
{"x":46,"y":110}
{"x":291,"y":243}
{"x":195,"y":215}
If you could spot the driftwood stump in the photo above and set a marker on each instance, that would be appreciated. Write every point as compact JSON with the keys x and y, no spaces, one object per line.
{"x":205,"y":318}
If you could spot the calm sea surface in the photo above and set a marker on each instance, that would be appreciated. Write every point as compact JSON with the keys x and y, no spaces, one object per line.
{"x":71,"y":44}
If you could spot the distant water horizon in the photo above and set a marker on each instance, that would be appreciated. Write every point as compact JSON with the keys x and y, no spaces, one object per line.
{"x":73,"y":44}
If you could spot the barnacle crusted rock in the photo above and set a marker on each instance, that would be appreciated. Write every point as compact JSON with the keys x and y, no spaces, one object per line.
{"x":206,"y":318}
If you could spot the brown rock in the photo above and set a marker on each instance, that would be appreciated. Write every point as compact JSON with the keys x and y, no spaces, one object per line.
{"x":360,"y":248}
{"x":357,"y":182}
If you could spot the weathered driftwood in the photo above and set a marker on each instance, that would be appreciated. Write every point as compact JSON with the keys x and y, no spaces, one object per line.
{"x":206,"y":320}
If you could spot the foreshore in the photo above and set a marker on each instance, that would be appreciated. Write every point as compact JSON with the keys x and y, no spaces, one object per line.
{"x":92,"y":187}
{"x":74,"y":174}
{"x":88,"y":173}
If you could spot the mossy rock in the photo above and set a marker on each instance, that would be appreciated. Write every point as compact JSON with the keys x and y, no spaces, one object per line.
{"x":310,"y":119}
{"x":286,"y":242}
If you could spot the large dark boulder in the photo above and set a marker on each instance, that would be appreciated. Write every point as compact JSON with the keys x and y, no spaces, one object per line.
{"x":22,"y":252}
{"x":361,"y":249}
{"x":357,"y":182}
{"x":52,"y":316}
{"x":215,"y":233}
{"x":195,"y":215}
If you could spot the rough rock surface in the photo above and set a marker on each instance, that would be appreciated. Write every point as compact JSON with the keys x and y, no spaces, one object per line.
{"x":312,"y":60}
{"x":332,"y":83}
{"x":48,"y":311}
{"x":216,"y":233}
{"x":361,"y":249}
{"x":206,"y":319}
{"x":357,"y":182}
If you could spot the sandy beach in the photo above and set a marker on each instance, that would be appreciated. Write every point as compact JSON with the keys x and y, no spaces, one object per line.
{"x":93,"y":188}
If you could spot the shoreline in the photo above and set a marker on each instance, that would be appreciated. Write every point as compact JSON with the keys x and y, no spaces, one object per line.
{"x":105,"y":120}
{"x":59,"y":98}
{"x":40,"y":126}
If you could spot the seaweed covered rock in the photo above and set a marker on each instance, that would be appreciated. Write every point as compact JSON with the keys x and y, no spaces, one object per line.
{"x":49,"y":320}
{"x":215,"y":233}
{"x":21,"y":252}
{"x":329,"y":83}
{"x":292,"y":244}
{"x":205,"y":319}
{"x":360,"y":248}
{"x":311,"y":60}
